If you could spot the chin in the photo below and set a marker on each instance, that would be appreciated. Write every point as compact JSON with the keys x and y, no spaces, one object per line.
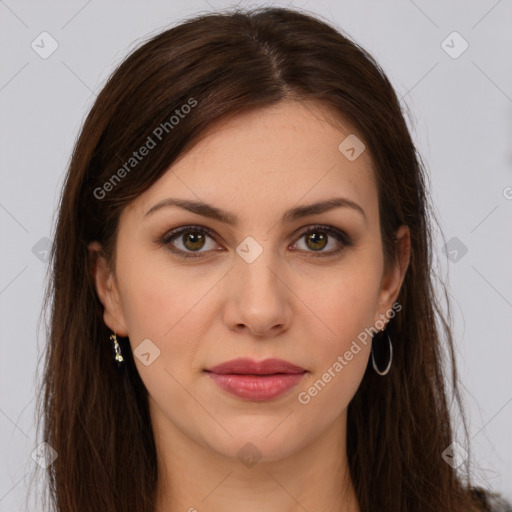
{"x":265,"y":442}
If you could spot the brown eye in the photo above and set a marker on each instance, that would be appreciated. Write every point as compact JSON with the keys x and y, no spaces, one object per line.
{"x":316,"y":241}
{"x":193,"y":240}
{"x":317,"y":238}
{"x":189,"y":240}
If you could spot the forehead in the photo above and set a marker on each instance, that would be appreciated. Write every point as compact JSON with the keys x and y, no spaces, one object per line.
{"x":268,"y":160}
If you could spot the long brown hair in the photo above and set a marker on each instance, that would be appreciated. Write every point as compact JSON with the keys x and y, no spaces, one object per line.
{"x":222,"y":64}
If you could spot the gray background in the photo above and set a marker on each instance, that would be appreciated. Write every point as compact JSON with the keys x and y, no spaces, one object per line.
{"x":460,"y":117}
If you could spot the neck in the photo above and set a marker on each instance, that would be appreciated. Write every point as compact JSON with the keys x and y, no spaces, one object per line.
{"x":195,"y":478}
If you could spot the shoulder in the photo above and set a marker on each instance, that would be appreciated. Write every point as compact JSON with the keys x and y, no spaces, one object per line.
{"x":490,"y":502}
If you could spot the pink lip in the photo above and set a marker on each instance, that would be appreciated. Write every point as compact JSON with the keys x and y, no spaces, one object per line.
{"x":258,"y":381}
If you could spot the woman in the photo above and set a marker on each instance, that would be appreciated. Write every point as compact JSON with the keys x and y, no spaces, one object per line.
{"x":245,"y":233}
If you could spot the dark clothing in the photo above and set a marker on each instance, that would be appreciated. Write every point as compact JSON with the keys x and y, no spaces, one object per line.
{"x":490,"y":502}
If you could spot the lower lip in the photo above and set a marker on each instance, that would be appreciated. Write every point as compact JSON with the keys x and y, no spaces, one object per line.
{"x":257,"y":387}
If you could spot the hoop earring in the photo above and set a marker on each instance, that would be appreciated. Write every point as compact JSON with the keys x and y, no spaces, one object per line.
{"x":119,"y":360}
{"x":385,"y":334}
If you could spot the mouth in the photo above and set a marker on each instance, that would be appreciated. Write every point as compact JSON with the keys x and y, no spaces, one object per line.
{"x":256,"y":381}
{"x":246,"y":366}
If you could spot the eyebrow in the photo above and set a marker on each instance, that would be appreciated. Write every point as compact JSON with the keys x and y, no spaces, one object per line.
{"x":231,"y":219}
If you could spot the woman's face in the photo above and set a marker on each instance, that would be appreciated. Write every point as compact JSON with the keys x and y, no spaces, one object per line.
{"x":256,"y":287}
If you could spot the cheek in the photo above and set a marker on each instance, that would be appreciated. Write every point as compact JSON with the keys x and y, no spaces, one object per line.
{"x":344,"y":300}
{"x":344,"y":305}
{"x":159,"y":299}
{"x":161,"y":305}
{"x":339,"y":360}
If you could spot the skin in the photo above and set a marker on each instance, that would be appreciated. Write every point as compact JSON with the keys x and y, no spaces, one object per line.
{"x":289,"y":303}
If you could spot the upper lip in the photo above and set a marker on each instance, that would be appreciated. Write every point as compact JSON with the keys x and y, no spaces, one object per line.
{"x":250,"y":366}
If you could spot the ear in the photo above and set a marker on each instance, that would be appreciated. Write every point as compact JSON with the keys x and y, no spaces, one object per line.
{"x":394,"y":277}
{"x":107,"y":291}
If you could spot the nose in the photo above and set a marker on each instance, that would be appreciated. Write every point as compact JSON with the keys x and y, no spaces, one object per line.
{"x":258,"y":299}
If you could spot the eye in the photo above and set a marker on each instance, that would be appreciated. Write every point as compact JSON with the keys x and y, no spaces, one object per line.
{"x":317,"y":238}
{"x":192,"y":241}
{"x":189,"y":238}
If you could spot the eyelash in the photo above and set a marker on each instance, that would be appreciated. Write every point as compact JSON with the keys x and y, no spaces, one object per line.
{"x":340,"y":236}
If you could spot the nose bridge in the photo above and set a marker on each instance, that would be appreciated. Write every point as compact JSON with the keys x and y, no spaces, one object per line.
{"x":259,"y":295}
{"x":256,"y":265}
